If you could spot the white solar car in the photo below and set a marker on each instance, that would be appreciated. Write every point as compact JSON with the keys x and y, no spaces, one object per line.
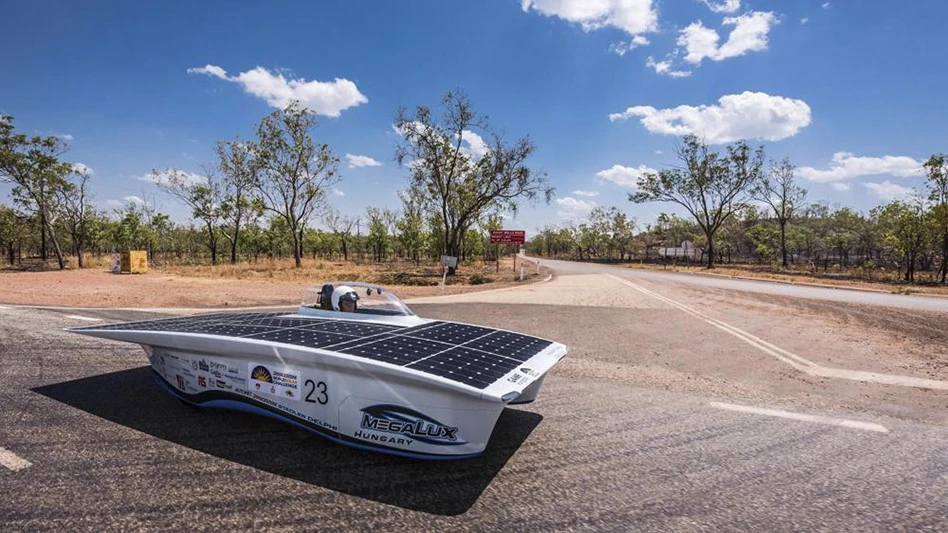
{"x":353,"y":364}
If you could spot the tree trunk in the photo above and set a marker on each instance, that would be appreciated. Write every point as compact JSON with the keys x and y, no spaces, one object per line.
{"x":783,"y":241}
{"x":43,"y":255}
{"x":710,"y":249}
{"x":233,"y":245}
{"x":57,"y":249}
{"x":82,"y":263}
{"x":944,"y":257}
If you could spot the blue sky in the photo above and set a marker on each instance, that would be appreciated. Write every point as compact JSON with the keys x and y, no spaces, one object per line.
{"x":850,"y":90}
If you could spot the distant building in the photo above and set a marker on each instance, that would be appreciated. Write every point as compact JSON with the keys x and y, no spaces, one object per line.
{"x":686,"y":250}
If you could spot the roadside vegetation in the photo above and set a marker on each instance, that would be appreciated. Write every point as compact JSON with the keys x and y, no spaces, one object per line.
{"x":755,"y":217}
{"x":268,"y":200}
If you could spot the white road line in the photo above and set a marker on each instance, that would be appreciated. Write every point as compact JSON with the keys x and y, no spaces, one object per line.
{"x":12,"y":461}
{"x":797,"y":362}
{"x":828,"y":420}
{"x":3,"y":307}
{"x":87,"y":318}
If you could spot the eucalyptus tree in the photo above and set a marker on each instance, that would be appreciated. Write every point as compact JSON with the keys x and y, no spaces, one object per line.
{"x":293,"y":171}
{"x":202,"y":194}
{"x":777,"y":189}
{"x":462,"y":183}
{"x":238,"y":164}
{"x":33,"y":166}
{"x":710,"y":187}
{"x":937,"y":170}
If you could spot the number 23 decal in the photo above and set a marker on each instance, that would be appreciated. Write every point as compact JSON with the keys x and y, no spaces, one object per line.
{"x":322,"y":398}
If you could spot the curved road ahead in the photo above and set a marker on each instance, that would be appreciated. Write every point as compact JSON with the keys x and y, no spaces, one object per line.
{"x":861,"y":297}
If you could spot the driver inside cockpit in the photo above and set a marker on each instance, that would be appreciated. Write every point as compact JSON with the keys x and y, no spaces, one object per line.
{"x":344,"y":299}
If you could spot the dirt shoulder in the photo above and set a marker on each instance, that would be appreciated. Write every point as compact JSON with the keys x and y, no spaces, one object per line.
{"x":99,"y":288}
{"x":798,"y":279}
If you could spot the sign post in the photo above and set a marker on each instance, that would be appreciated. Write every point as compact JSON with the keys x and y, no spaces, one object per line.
{"x":447,"y":261}
{"x":507,"y":236}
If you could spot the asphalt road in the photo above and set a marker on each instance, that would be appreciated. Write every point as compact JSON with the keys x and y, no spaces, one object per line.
{"x":658,"y":420}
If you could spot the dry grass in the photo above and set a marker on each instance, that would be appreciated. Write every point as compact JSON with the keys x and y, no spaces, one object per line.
{"x":387,"y":273}
{"x":800,"y":277}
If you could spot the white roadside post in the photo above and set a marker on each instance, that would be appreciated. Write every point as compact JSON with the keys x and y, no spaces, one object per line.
{"x":446,"y":262}
{"x":521,"y":272}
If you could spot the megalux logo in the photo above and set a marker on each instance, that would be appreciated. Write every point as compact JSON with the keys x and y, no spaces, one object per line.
{"x":408,"y":422}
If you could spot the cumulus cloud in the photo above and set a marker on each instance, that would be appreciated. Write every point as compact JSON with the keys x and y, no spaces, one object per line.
{"x":476,"y":147}
{"x":749,"y":115}
{"x":841,"y":187}
{"x":826,"y":5}
{"x":328,"y":98}
{"x":587,"y":194}
{"x":846,"y":166}
{"x":167,"y":176}
{"x":625,"y":176}
{"x":749,"y":35}
{"x":724,"y":6}
{"x":889,"y":191}
{"x":358,"y":161}
{"x":631,"y":16}
{"x":64,"y":136}
{"x":622,"y":47}
{"x":82,"y":168}
{"x":572,"y":208}
{"x":804,"y":20}
{"x":134,"y":200}
{"x":338,"y":192}
{"x":664,"y":68}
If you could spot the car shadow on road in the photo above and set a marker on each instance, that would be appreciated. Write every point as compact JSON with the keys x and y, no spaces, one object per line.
{"x":132,"y":399}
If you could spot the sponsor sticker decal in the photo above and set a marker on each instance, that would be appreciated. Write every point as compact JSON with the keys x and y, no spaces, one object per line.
{"x":202,"y":382}
{"x":411,"y":424}
{"x":283,"y":382}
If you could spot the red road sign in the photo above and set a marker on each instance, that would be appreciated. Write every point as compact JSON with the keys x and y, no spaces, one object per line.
{"x":508,"y":236}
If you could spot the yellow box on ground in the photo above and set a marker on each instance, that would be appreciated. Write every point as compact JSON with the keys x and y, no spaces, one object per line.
{"x":134,"y":262}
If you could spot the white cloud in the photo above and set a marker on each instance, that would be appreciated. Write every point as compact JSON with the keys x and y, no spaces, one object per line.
{"x":804,"y":20}
{"x":622,"y":47}
{"x":659,"y":152}
{"x":338,"y":192}
{"x":64,"y":136}
{"x":724,"y":6}
{"x":841,"y":187}
{"x":664,"y":68}
{"x":82,"y":168}
{"x":358,"y":161}
{"x":327,"y":98}
{"x":163,"y":177}
{"x":587,"y":194}
{"x":889,"y":191}
{"x":846,"y":166}
{"x":114,"y":203}
{"x":573,"y":208}
{"x":749,"y":115}
{"x":625,"y":176}
{"x":749,"y":35}
{"x":826,"y":5}
{"x":134,"y":200}
{"x":632,"y":16}
{"x":476,"y":147}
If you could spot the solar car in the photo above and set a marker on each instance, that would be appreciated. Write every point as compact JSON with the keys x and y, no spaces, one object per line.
{"x":353,"y":364}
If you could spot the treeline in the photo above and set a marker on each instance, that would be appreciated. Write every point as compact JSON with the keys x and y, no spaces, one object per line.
{"x":263,"y":197}
{"x":741,"y":211}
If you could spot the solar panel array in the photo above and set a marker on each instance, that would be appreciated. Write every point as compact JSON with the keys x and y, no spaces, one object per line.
{"x":473,"y":355}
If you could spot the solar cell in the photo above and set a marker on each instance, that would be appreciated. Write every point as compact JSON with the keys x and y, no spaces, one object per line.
{"x":301,"y":337}
{"x":357,"y":329}
{"x":396,"y":350}
{"x":471,"y":367}
{"x":507,"y":344}
{"x":451,"y":333}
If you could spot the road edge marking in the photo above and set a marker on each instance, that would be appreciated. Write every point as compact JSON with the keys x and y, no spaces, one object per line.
{"x":794,"y":360}
{"x":87,"y":318}
{"x":816,"y":419}
{"x":13,"y":461}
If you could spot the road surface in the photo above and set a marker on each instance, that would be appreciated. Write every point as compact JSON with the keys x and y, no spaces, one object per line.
{"x":678,"y":409}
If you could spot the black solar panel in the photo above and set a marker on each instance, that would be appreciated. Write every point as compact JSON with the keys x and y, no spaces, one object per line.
{"x":473,"y":355}
{"x":357,"y":329}
{"x":396,"y":350}
{"x":451,"y":333}
{"x":471,"y":367}
{"x":275,"y":321}
{"x":513,"y":345}
{"x":302,"y":337}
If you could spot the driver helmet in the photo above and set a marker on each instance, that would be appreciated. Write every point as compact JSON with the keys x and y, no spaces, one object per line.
{"x":343,"y":293}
